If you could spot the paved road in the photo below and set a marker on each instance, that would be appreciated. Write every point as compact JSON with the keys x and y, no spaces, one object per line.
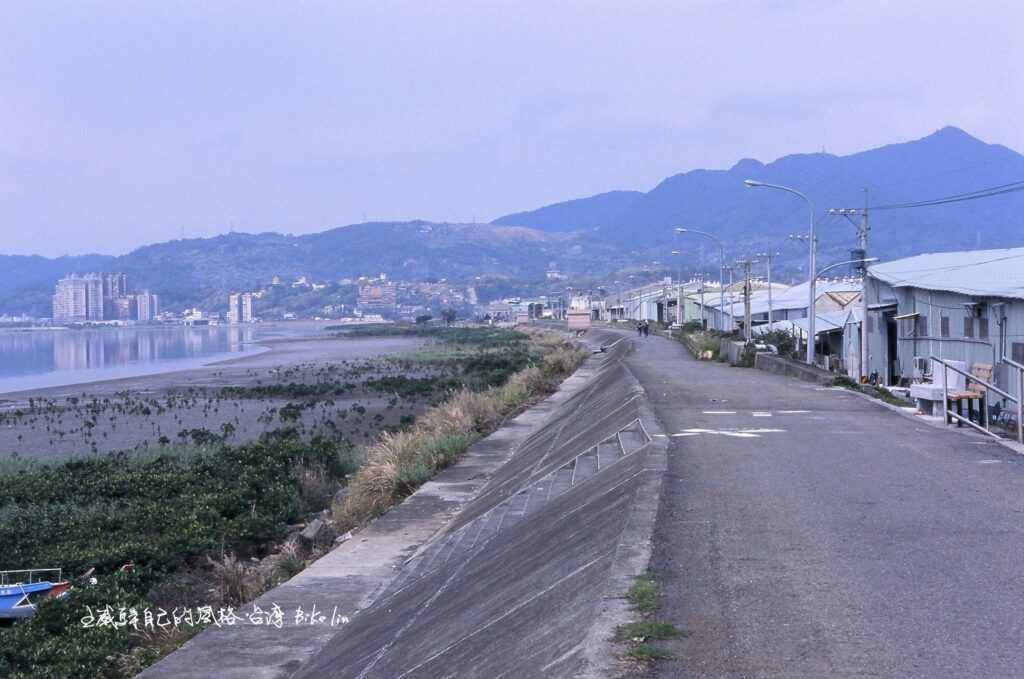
{"x":842,"y":540}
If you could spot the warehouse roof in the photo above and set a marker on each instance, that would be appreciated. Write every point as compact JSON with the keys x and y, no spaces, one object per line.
{"x":990,"y":273}
{"x":829,"y":321}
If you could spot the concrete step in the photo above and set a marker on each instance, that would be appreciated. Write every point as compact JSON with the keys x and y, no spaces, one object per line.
{"x":561,"y":480}
{"x":586,"y":466}
{"x":491,"y":522}
{"x":434,"y":551}
{"x":516,"y":509}
{"x":452,"y":546}
{"x":609,"y":452}
{"x":539,"y":494}
{"x":632,"y":439}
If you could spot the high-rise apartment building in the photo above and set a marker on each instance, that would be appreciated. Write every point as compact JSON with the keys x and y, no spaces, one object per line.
{"x":240,"y":308}
{"x":147,"y":306}
{"x":71,"y":301}
{"x":77,"y":299}
{"x":114,"y":285}
{"x":115,"y":289}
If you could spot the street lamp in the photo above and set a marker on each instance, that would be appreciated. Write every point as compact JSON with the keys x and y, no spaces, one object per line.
{"x":721,"y":271}
{"x":768,"y":256}
{"x":862,"y":260}
{"x":679,"y":288}
{"x":812,"y":246}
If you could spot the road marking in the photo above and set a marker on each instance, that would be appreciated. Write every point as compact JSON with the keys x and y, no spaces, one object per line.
{"x":719,"y":412}
{"x":735,"y":433}
{"x":793,"y":412}
{"x":761,"y":414}
{"x":659,"y":436}
{"x":989,"y":461}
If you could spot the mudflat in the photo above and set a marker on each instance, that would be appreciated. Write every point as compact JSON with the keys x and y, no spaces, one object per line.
{"x":238,"y":398}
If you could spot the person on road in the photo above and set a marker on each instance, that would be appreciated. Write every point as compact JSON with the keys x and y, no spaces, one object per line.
{"x":647,"y":328}
{"x":639,"y":329}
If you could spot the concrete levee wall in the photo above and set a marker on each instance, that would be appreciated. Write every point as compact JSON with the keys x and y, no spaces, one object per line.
{"x":525,"y":549}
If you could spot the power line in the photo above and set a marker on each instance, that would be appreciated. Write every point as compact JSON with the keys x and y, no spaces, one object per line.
{"x":956,"y":198}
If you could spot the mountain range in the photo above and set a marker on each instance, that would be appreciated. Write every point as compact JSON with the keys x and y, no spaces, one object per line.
{"x":599,"y":238}
{"x":945,"y":163}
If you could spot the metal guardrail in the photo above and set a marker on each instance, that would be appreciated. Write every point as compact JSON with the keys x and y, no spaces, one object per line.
{"x":946,"y":367}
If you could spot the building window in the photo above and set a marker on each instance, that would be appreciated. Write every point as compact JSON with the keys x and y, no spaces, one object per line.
{"x":944,"y":326}
{"x":983,"y":328}
{"x":1017,"y":351}
{"x":968,"y":326}
{"x":921,"y":326}
{"x":871,"y":323}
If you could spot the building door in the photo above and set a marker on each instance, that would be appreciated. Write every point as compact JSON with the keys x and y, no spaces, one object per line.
{"x":892,"y":362}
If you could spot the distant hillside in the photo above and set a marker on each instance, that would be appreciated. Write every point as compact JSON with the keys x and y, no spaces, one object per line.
{"x":947,"y":162}
{"x":626,"y":232}
{"x":575,"y":215}
{"x":203,"y":270}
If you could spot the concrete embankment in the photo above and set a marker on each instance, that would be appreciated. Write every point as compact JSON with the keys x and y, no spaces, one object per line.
{"x":511,"y":563}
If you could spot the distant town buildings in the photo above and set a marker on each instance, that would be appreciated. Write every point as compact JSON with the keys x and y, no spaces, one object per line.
{"x":94,"y":297}
{"x":240,"y":308}
{"x":377,"y":294}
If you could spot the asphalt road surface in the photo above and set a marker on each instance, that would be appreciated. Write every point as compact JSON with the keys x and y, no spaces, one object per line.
{"x":808,"y":532}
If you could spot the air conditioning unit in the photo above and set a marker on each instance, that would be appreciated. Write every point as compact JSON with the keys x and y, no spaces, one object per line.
{"x":920,"y":367}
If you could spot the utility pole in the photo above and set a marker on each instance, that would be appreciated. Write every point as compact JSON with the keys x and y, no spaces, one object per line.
{"x":703,"y":314}
{"x":862,"y":245}
{"x":732,"y":321}
{"x":746,"y":263}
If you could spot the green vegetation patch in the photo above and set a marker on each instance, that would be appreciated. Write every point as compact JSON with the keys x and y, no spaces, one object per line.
{"x":644,"y":596}
{"x":647,"y":629}
{"x":162,"y":512}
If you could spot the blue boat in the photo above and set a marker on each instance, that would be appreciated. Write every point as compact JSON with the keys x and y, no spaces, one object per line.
{"x":21,"y":591}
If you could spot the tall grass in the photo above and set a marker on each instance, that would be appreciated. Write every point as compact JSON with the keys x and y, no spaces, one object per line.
{"x":400,"y":462}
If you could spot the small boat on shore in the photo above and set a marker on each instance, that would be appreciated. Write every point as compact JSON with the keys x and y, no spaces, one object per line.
{"x":21,"y":591}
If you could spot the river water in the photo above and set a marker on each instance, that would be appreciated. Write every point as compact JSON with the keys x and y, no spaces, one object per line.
{"x":36,"y":359}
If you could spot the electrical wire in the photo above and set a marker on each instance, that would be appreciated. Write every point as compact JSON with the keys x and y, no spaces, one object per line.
{"x":956,"y":198}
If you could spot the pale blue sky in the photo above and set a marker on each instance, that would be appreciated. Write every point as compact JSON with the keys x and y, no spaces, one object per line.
{"x":123,"y":122}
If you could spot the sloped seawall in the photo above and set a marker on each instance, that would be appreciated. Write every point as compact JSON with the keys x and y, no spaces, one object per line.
{"x":510,"y":564}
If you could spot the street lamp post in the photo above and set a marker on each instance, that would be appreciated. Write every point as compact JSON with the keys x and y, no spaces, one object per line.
{"x":679,"y":288}
{"x":769,"y":255}
{"x":721,"y":272}
{"x":813,"y":244}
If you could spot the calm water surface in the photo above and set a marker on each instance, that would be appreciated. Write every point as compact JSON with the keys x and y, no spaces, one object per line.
{"x":37,"y":359}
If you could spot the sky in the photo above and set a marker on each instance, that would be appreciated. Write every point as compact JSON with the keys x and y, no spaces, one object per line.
{"x":125,"y":123}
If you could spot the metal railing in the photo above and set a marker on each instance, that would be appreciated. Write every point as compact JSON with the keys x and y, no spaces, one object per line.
{"x":1020,"y":393}
{"x":1019,"y":400}
{"x":34,"y":575}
